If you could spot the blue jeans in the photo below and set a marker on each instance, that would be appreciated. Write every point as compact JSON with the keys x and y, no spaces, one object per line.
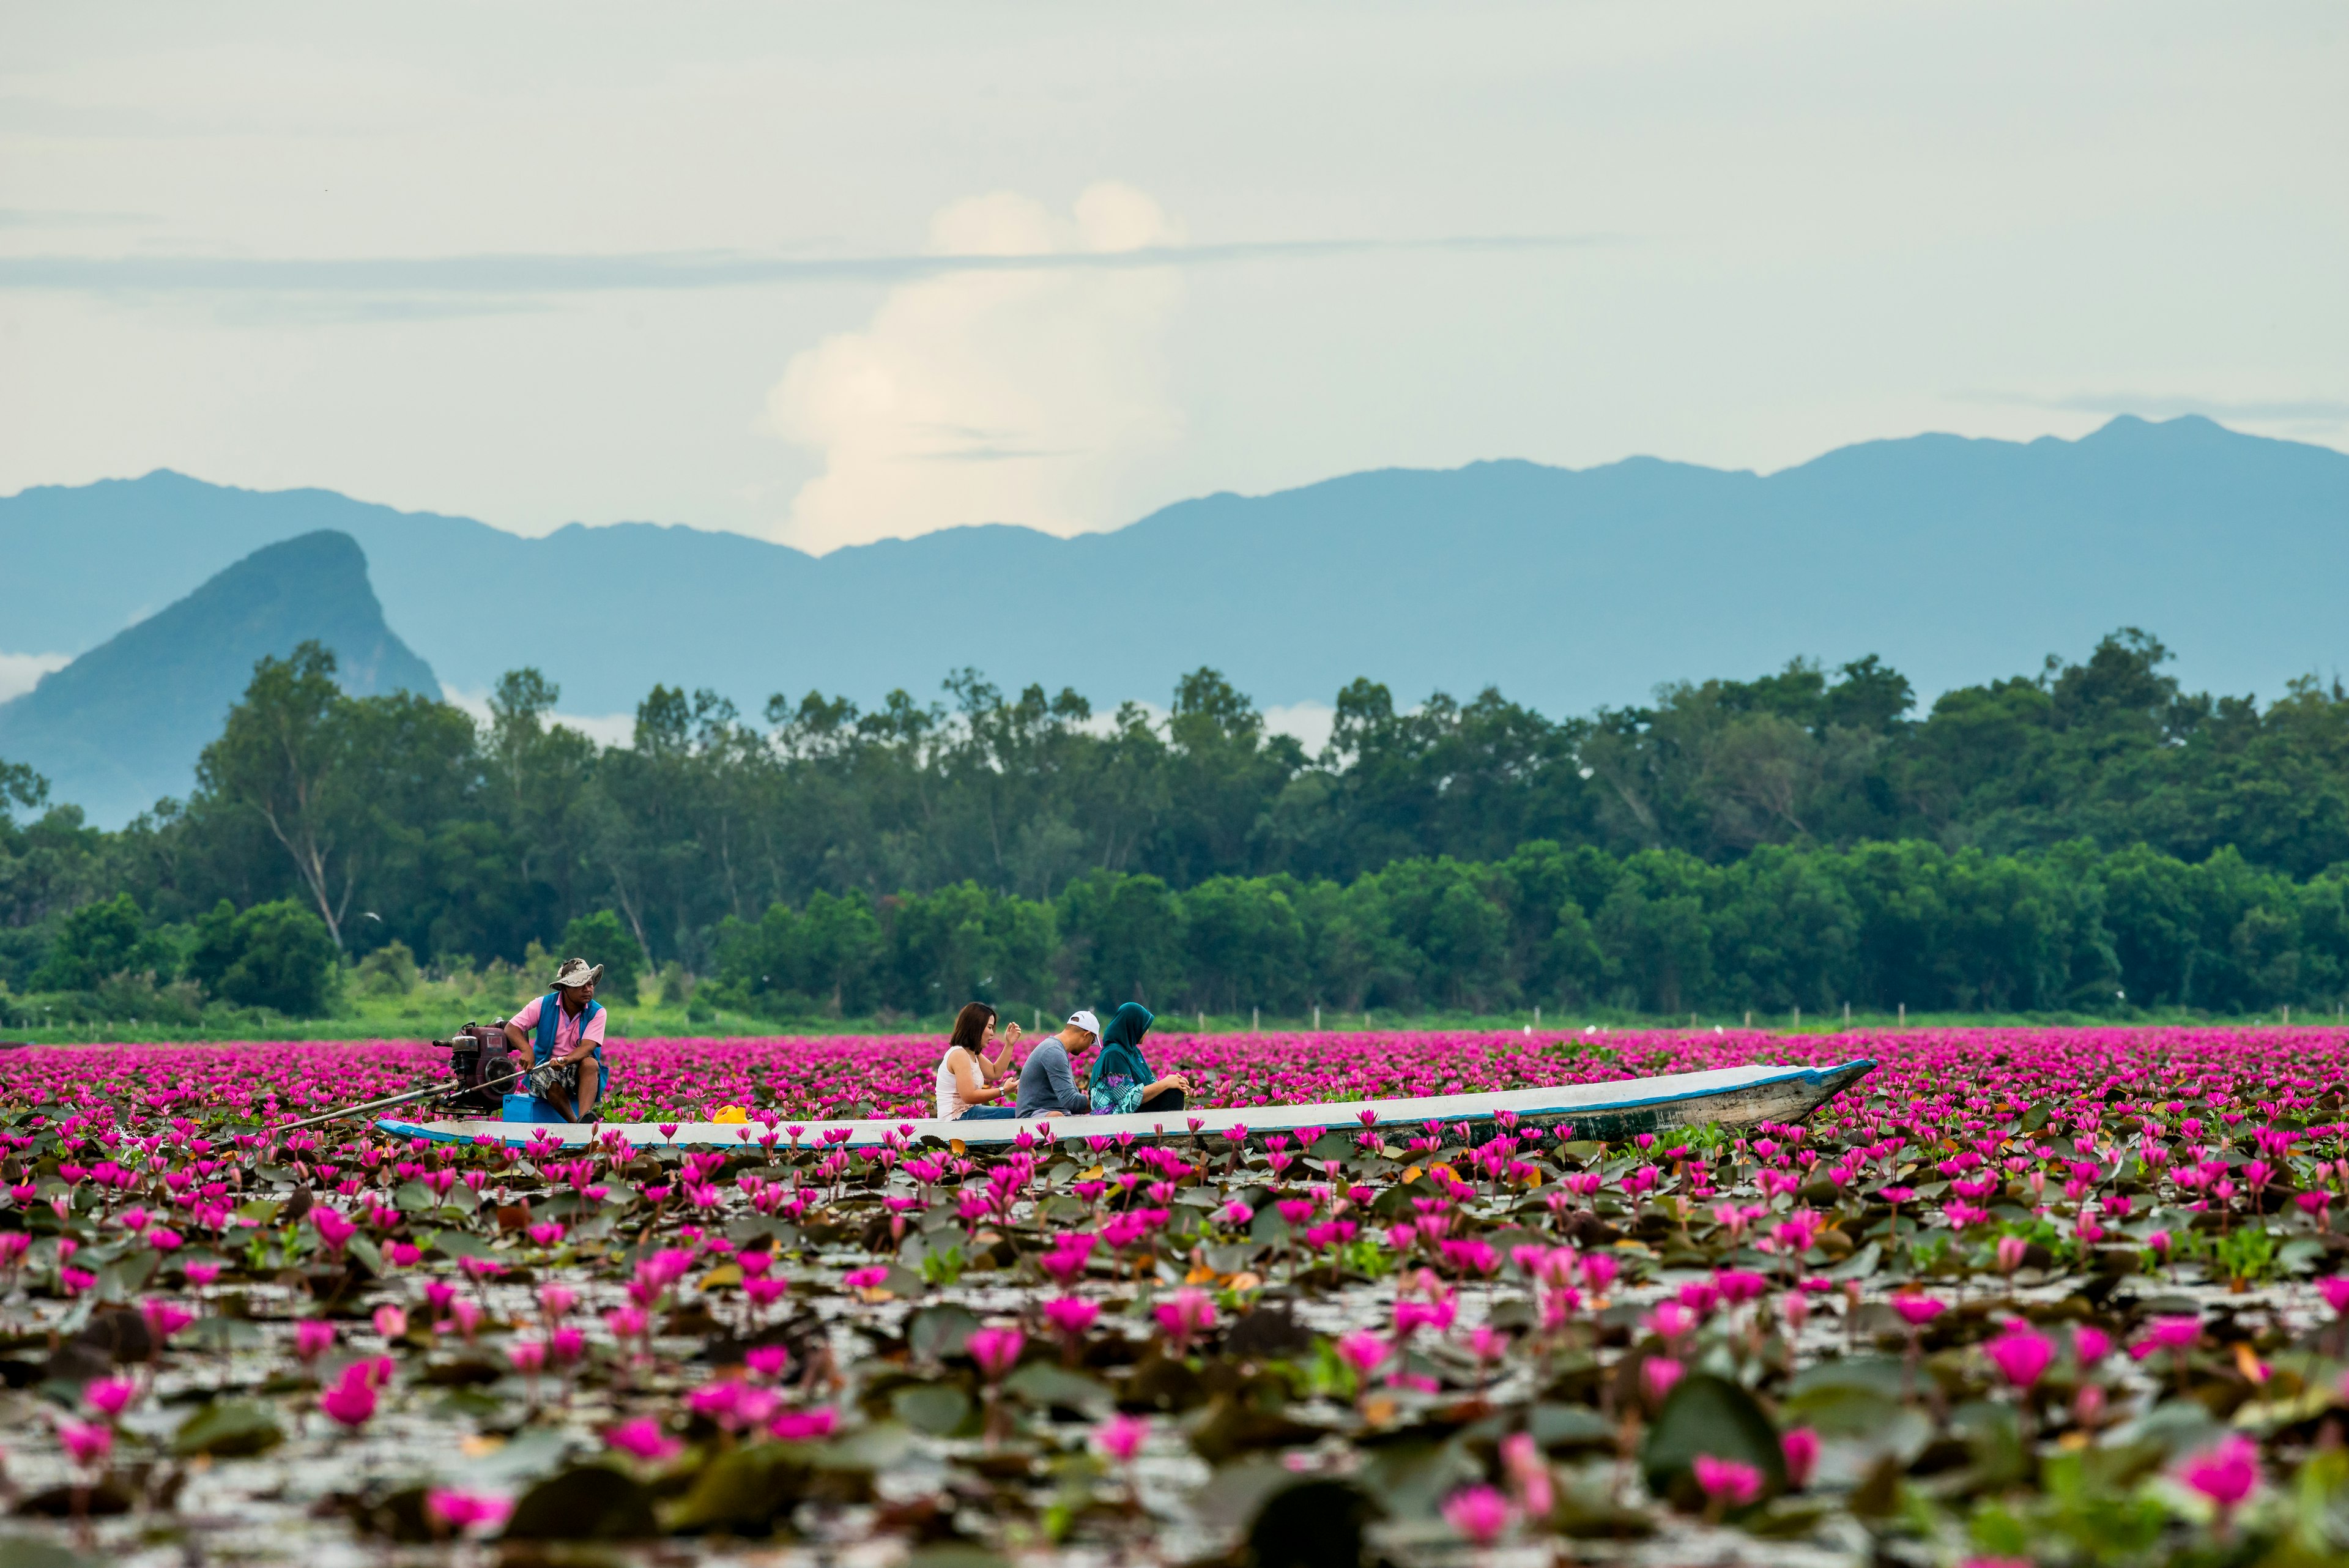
{"x":990,"y":1113}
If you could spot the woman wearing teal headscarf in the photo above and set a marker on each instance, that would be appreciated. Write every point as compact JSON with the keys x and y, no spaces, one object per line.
{"x":1121,"y":1076}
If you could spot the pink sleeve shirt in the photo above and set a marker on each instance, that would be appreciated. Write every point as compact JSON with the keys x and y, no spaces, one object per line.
{"x":566,"y":1028}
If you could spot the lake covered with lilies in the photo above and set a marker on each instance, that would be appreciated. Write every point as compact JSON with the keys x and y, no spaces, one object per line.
{"x":2051,"y":1295}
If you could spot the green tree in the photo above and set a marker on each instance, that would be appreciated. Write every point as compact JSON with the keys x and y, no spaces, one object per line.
{"x":840,"y":949}
{"x":599,"y":937}
{"x":20,"y":789}
{"x":280,"y":758}
{"x":1784,"y":934}
{"x":2150,"y":910}
{"x":758,"y":964}
{"x":276,"y":955}
{"x":1553,"y":949}
{"x":964,"y":943}
{"x":790,"y":963}
{"x":1656,"y":931}
{"x":1354,"y":954}
{"x":389,"y":971}
{"x":1125,"y":939}
{"x":2131,"y":837}
{"x":1458,"y":937}
{"x":1244,"y":942}
{"x":97,"y":941}
{"x":1222,"y":769}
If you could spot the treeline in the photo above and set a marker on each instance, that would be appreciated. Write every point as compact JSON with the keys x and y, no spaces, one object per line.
{"x":1881,"y":926}
{"x":1032,"y":818}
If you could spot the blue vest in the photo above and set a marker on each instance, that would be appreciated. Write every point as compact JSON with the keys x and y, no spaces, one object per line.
{"x":549,"y":1013}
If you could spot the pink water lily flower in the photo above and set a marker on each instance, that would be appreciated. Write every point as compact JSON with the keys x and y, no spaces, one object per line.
{"x":1188,"y":1316}
{"x":995,"y":1350}
{"x":2173,"y":1334}
{"x":804,"y":1426}
{"x":2225,"y":1474}
{"x":2020,"y":1353}
{"x":164,"y":1318}
{"x":1528,"y":1473}
{"x":351,"y":1402}
{"x":1121,"y":1436}
{"x":110,"y":1396}
{"x":1801,"y":1446}
{"x":643,"y":1439}
{"x":1478,"y":1513}
{"x":1917,"y":1311}
{"x":1070,"y":1316}
{"x":465,"y":1511}
{"x":86,"y":1443}
{"x":1729,"y":1482}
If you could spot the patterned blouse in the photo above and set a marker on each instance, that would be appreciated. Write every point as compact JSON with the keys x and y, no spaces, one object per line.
{"x":1115,"y":1094}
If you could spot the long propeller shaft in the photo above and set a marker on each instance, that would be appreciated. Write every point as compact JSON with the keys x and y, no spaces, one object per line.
{"x":401,"y":1099}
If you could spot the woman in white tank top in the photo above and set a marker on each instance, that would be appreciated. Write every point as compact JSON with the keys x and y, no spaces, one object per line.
{"x":968,"y":1080}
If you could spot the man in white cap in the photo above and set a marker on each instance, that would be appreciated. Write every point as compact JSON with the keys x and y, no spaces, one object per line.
{"x":1048,"y":1085}
{"x":563,"y":1031}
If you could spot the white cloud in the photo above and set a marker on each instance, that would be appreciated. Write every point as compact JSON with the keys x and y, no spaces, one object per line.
{"x":1311,"y":723}
{"x":1020,"y":395}
{"x":20,"y":672}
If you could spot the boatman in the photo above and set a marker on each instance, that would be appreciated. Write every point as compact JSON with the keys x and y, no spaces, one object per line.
{"x":563,"y":1033}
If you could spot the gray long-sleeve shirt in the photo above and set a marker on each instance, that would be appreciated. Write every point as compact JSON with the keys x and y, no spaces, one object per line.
{"x":1047,"y":1083}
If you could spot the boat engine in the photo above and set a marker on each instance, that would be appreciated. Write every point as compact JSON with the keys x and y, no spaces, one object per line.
{"x":481,"y":1064}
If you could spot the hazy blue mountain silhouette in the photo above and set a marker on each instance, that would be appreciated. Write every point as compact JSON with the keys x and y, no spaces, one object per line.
{"x":121,"y":726}
{"x":1956,"y":559}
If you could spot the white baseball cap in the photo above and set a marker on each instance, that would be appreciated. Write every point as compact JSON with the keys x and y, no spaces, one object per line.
{"x":1083,"y":1019}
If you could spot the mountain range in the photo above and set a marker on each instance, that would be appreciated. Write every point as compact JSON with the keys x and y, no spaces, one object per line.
{"x":122,"y":725}
{"x":1956,"y":560}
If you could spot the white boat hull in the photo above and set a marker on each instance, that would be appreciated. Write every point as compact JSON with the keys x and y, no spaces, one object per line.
{"x":1731,"y":1096}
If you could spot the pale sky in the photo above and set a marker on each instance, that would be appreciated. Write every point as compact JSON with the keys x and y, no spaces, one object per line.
{"x":830,"y":273}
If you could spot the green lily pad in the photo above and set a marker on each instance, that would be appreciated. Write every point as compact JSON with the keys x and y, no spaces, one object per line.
{"x":743,"y":1491}
{"x":586,"y":1502}
{"x":867,"y":1448}
{"x":1570,"y":1426}
{"x":1044,"y":1386}
{"x":1857,"y":1428}
{"x":955,"y":1554}
{"x":1708,"y":1414}
{"x":939,"y":1332}
{"x":1877,"y":1374}
{"x":937,"y":1408}
{"x":125,"y":1278}
{"x":229,"y":1428}
{"x":462,"y":1244}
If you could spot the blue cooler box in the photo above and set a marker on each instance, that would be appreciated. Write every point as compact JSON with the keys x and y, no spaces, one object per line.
{"x":531,"y":1108}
